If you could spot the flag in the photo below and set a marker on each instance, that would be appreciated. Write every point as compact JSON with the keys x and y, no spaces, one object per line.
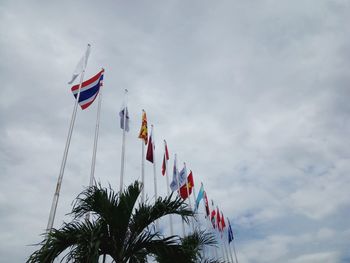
{"x":121,"y":115}
{"x":200,"y":196}
{"x":207,"y":210}
{"x":174,"y":184}
{"x":165,"y":158}
{"x":212,"y":218}
{"x":144,"y":131}
{"x":150,"y":149}
{"x":190,"y":183}
{"x":230,"y":233}
{"x":223,"y":225}
{"x":89,"y":90}
{"x":182,"y":176}
{"x":218,"y":218}
{"x":81,"y":65}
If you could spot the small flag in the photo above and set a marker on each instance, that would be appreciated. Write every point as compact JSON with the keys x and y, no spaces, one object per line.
{"x":229,"y":231}
{"x":212,"y":218}
{"x":200,"y":196}
{"x":182,"y":176}
{"x":165,"y":158}
{"x":174,"y":184}
{"x":121,"y":115}
{"x":150,"y":149}
{"x":207,"y":210}
{"x":89,"y":90}
{"x":218,"y":218}
{"x":184,"y":193}
{"x":144,"y":131}
{"x":223,"y":225}
{"x":81,"y":65}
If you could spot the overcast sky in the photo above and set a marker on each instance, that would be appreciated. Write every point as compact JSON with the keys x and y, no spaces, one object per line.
{"x":252,"y":95}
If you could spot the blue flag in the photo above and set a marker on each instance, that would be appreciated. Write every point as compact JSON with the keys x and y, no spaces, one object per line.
{"x":200,"y":196}
{"x":230,"y":233}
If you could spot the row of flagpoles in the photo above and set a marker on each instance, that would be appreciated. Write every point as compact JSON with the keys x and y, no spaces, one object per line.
{"x":183,"y":183}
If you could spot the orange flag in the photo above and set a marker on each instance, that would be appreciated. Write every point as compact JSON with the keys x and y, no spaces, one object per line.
{"x":144,"y":131}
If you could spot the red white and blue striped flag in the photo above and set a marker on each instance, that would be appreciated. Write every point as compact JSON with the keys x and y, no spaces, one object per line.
{"x":89,"y":90}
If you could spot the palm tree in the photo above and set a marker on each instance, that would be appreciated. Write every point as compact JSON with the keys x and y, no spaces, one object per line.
{"x":120,"y":228}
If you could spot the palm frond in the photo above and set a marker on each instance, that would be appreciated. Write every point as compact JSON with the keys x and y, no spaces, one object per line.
{"x":147,"y":214}
{"x":80,"y":237}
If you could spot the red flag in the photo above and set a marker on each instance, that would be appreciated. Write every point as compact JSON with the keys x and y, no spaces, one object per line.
{"x":213,"y":213}
{"x":207,"y":210}
{"x":218,"y":219}
{"x":166,"y":155}
{"x":223,"y":225}
{"x":150,"y":149}
{"x":190,"y":184}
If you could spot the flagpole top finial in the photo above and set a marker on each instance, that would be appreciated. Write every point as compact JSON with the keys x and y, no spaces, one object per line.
{"x":89,"y":45}
{"x":126,"y":90}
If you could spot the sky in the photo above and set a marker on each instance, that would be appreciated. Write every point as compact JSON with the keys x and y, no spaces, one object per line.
{"x":252,"y":95}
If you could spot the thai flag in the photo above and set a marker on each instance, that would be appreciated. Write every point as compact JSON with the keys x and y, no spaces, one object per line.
{"x":89,"y":90}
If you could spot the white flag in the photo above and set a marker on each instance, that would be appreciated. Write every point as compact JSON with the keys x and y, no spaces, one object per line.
{"x":81,"y":64}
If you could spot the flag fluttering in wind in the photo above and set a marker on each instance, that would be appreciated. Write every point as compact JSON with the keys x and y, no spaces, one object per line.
{"x":200,"y":196}
{"x":121,"y":115}
{"x":207,"y":210}
{"x":223,"y":224}
{"x":218,"y":218}
{"x":213,"y":217}
{"x":89,"y":90}
{"x":144,"y":131}
{"x":81,"y":65}
{"x":186,"y":189}
{"x":150,"y":149}
{"x":182,"y":176}
{"x":230,"y":233}
{"x":165,"y":158}
{"x":174,"y":183}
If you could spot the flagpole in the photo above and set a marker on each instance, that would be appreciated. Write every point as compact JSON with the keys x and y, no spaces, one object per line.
{"x":229,"y":249}
{"x":188,"y":196}
{"x":143,"y":172}
{"x":65,"y":154}
{"x":178,"y":192}
{"x":234,"y":250}
{"x":225,"y":247}
{"x":154,"y":171}
{"x":122,"y":169}
{"x":168,"y":186}
{"x":97,"y":128}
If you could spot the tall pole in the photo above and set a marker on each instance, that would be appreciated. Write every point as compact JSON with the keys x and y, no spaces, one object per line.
{"x":188,"y":195}
{"x":143,"y":172}
{"x":178,"y":192}
{"x":122,"y":169}
{"x":168,"y":185}
{"x":65,"y":154}
{"x":93,"y":161}
{"x":154,"y":171}
{"x":97,"y":128}
{"x":234,"y":250}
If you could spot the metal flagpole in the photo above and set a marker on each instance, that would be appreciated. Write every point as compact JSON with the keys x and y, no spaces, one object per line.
{"x":168,"y":186}
{"x":122,"y":169}
{"x":234,"y":250}
{"x":225,"y":247}
{"x":188,"y":196}
{"x":143,"y":172}
{"x":178,"y":192}
{"x":93,"y":161}
{"x":154,"y":171}
{"x":230,"y":252}
{"x":97,"y":128}
{"x":65,"y":154}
